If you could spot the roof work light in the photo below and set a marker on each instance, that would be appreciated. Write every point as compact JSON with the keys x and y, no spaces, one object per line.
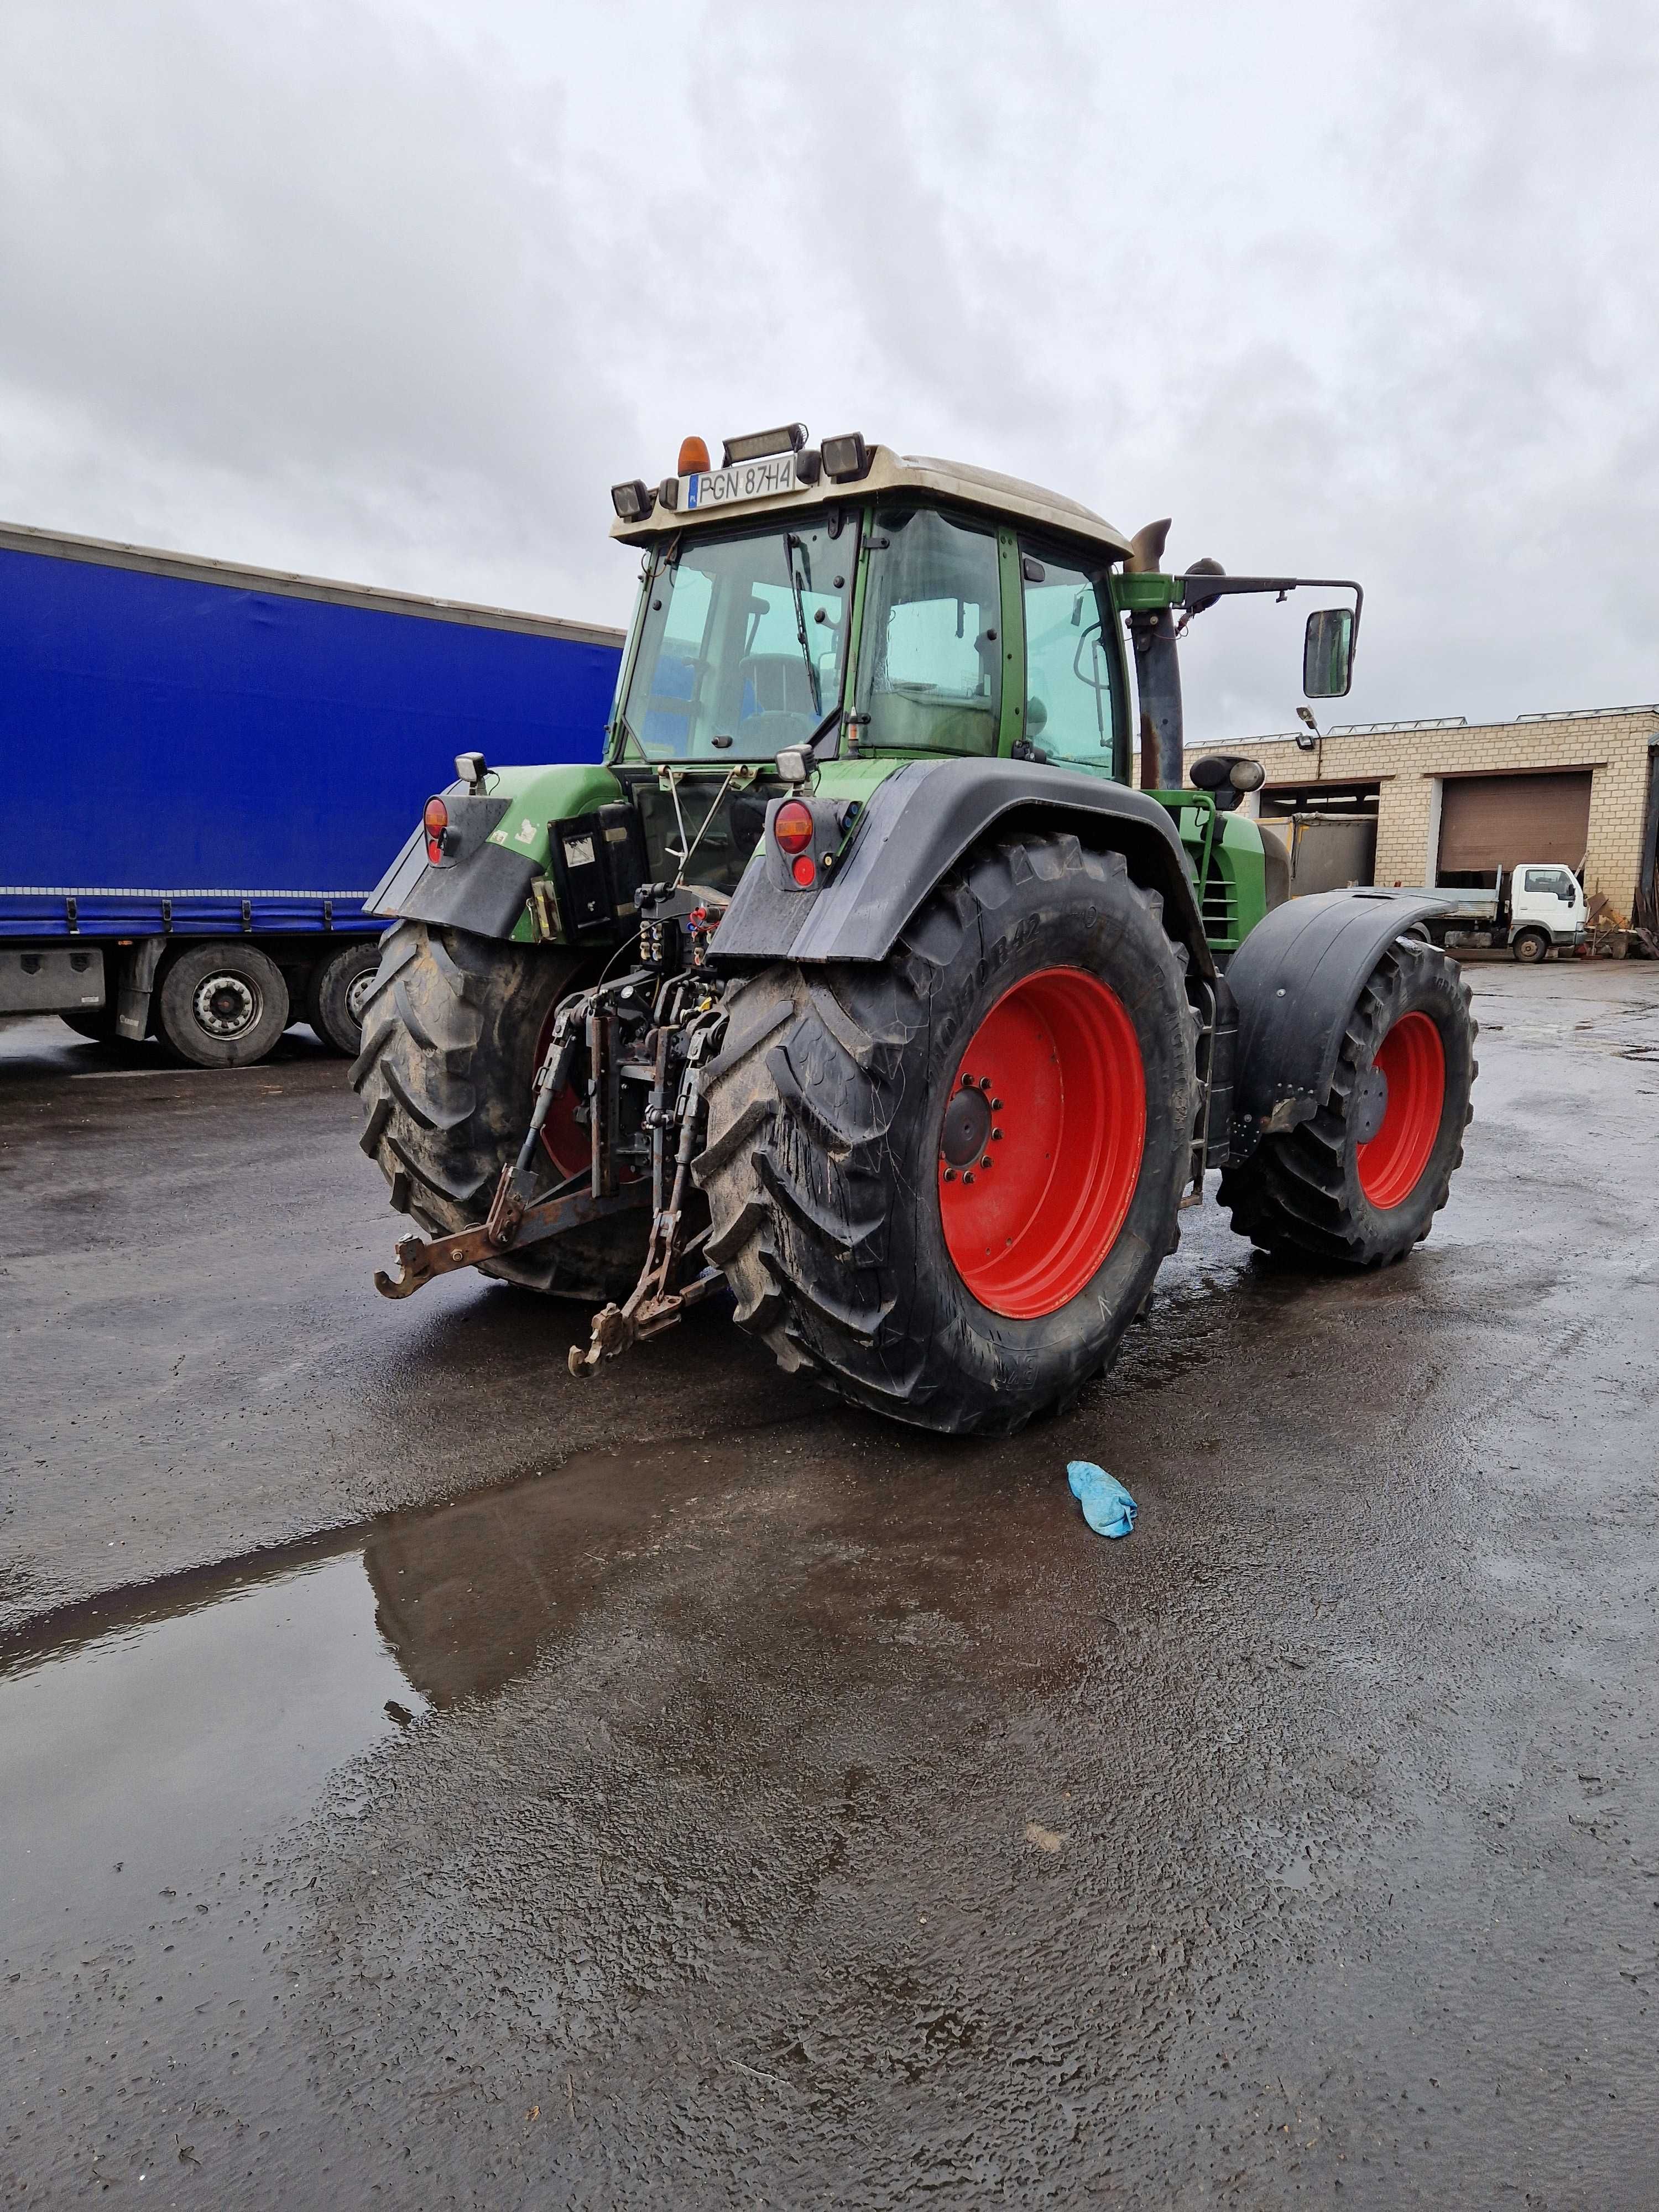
{"x":788,"y":438}
{"x":846,"y":460}
{"x":632,"y":501}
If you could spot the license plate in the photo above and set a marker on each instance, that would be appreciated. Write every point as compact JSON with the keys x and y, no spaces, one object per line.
{"x":744,"y":480}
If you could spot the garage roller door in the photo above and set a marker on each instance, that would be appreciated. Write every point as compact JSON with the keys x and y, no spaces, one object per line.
{"x":1489,"y":822}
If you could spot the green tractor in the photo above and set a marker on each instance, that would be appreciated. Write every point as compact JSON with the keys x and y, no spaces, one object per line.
{"x":860,"y":985}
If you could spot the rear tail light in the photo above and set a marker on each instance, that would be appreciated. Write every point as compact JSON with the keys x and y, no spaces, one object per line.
{"x":435,"y":821}
{"x":791,"y":826}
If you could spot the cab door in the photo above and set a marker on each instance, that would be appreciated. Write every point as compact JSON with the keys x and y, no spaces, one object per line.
{"x":1074,"y":686}
{"x":1550,"y":898}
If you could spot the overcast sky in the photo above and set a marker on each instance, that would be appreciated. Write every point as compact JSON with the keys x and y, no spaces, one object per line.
{"x":393,"y":292}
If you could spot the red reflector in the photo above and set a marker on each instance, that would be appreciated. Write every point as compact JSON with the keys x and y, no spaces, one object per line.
{"x":791,"y":826}
{"x":434,"y":850}
{"x":437,"y":817}
{"x":804,"y":872}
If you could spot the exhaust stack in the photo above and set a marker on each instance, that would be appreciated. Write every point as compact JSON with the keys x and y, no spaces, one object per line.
{"x":1157,"y":672}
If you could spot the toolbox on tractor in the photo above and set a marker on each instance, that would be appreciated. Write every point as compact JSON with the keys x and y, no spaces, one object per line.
{"x":865,"y":984}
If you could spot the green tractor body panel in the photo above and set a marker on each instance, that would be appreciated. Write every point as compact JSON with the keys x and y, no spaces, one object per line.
{"x":537,"y":798}
{"x":1228,"y":867}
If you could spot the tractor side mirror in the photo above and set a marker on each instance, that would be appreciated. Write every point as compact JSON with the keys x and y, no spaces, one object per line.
{"x":1327,"y":653}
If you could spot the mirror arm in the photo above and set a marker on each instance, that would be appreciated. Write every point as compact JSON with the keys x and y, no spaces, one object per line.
{"x":1218,"y":587}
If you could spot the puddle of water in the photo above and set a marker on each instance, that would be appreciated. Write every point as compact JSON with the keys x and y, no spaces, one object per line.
{"x":148,"y":1756}
{"x":146,"y":1740}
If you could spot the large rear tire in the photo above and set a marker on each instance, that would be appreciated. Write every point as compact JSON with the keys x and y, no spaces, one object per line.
{"x":1359,"y":1184}
{"x":451,"y":1032}
{"x":944,"y":1184}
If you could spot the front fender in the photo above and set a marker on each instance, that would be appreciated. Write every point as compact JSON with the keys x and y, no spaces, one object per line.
{"x":1294,"y":981}
{"x":917,"y":825}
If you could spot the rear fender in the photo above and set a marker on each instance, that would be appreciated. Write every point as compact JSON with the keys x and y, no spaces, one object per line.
{"x":500,"y":848}
{"x":1294,"y":981}
{"x":916,"y":825}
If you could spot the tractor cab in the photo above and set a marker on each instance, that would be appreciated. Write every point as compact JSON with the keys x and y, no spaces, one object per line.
{"x":850,"y":605}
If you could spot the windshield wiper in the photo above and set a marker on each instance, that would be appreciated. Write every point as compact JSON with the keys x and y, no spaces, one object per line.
{"x":792,"y":545}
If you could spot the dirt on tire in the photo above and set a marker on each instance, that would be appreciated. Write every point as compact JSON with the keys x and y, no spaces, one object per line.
{"x":451,"y":1034}
{"x":826,"y":1109}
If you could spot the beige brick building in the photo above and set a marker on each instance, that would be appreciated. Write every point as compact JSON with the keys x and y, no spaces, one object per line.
{"x":1452,"y":800}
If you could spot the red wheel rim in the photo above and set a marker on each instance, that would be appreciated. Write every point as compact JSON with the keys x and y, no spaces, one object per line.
{"x":1413,"y":1061}
{"x":564,"y":1140}
{"x":1057,"y":1068}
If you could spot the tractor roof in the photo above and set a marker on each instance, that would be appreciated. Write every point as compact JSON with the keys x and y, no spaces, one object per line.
{"x":1009,"y":498}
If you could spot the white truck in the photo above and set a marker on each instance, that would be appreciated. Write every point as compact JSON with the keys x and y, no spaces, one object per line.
{"x":1531,"y":906}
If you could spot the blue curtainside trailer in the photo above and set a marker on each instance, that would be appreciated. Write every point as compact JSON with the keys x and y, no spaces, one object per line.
{"x":212,"y":765}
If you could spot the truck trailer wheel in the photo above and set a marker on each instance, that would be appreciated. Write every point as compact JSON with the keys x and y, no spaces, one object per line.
{"x":945,"y":1184}
{"x":1530,"y":947}
{"x":336,"y":991}
{"x":453,"y":1028}
{"x":1361,"y":1182}
{"x":222,"y":1004}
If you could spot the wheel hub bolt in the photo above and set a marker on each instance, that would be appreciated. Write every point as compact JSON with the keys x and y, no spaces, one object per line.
{"x":967,"y":1126}
{"x":986,"y":1162}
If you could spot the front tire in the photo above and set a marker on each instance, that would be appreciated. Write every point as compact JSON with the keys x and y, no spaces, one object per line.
{"x":1034,"y":1015}
{"x":1359,"y":1184}
{"x":1530,"y":947}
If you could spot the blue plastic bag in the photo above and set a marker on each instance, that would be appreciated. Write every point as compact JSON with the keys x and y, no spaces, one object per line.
{"x":1107,"y":1505}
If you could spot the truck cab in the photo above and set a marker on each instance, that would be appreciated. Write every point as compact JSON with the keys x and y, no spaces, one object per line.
{"x":1546,"y":903}
{"x":1533,"y":907}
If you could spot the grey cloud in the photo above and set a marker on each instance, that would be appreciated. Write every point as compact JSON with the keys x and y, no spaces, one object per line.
{"x":400,"y":290}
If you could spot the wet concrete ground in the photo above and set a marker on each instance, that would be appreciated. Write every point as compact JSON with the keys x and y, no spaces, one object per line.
{"x":426,"y":1780}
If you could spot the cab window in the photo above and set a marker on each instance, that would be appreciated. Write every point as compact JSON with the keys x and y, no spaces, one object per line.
{"x":931,"y":662}
{"x":740,"y":644}
{"x":1554,"y":880}
{"x":1071,"y":671}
